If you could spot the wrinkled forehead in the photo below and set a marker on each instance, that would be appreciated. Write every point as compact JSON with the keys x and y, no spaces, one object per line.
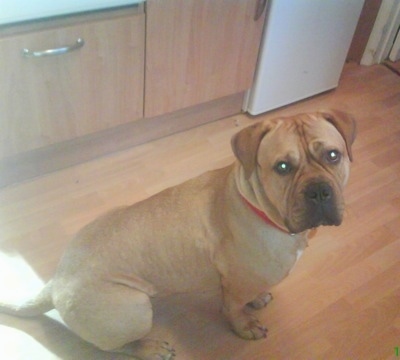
{"x":282,"y":138}
{"x":323,"y":134}
{"x":292,"y":138}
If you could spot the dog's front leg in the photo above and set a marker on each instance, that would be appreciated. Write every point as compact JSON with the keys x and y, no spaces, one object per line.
{"x":261,"y":301}
{"x":242,"y":321}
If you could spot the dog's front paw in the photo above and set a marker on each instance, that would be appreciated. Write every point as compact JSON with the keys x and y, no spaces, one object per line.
{"x":261,"y":301}
{"x":249,"y":328}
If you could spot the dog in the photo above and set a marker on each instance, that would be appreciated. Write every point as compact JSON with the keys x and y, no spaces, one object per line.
{"x":240,"y":229}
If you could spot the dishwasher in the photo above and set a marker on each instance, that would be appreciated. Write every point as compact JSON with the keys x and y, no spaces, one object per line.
{"x":303,"y":51}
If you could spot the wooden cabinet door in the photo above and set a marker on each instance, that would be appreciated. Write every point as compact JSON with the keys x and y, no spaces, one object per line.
{"x":198,"y":51}
{"x":51,"y":99}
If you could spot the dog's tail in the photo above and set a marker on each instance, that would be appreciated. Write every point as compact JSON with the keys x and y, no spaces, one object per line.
{"x":37,"y":306}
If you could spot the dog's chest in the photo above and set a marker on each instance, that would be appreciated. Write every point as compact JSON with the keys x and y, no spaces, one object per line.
{"x":280,"y":256}
{"x":271,"y":254}
{"x":299,"y":253}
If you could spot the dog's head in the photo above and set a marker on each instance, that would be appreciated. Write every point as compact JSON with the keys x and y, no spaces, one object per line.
{"x":296,"y":167}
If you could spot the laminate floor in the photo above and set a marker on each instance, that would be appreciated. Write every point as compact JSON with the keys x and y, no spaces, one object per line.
{"x":342,"y":300}
{"x":394,"y":66}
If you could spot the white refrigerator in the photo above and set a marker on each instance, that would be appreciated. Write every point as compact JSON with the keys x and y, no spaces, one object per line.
{"x":303,"y":50}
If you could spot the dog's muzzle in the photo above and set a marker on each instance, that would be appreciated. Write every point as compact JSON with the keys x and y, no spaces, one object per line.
{"x":320,"y":203}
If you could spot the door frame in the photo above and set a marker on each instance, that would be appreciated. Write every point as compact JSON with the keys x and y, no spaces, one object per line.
{"x":394,"y":54}
{"x":383,"y":33}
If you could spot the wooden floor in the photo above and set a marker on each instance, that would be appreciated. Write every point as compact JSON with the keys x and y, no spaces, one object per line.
{"x":394,"y":66}
{"x":342,"y":301}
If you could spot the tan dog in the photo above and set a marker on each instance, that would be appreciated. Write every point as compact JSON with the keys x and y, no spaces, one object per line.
{"x":241,"y":228}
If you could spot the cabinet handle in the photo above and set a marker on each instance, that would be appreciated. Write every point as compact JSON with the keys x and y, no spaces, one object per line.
{"x":260,"y":7}
{"x":53,"y":52}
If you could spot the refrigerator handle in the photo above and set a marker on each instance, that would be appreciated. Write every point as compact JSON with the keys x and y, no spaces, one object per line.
{"x":260,"y":7}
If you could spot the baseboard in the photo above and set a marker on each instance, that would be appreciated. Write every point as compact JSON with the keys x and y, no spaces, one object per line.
{"x":59,"y":156}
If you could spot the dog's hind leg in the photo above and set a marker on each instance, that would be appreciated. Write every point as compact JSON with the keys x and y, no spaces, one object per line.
{"x":111,"y":316}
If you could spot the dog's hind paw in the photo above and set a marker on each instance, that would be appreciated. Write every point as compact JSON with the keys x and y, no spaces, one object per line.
{"x":261,"y":301}
{"x":149,"y":349}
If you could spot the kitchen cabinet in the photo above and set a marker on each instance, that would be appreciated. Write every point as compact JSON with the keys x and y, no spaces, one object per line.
{"x":142,"y":72}
{"x":198,"y":51}
{"x":50,"y":99}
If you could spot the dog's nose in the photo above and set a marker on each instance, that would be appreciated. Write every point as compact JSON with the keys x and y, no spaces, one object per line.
{"x":318,"y":192}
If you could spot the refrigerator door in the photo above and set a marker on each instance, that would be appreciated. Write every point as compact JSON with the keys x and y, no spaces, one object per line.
{"x":303,"y":50}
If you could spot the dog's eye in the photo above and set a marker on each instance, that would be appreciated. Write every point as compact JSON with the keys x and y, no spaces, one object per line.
{"x":333,"y":156}
{"x":283,"y":168}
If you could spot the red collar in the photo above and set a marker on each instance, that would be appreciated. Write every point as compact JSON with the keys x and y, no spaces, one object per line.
{"x":261,"y":214}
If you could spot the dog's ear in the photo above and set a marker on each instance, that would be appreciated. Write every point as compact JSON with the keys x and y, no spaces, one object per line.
{"x":346,"y":126}
{"x":245,"y":145}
